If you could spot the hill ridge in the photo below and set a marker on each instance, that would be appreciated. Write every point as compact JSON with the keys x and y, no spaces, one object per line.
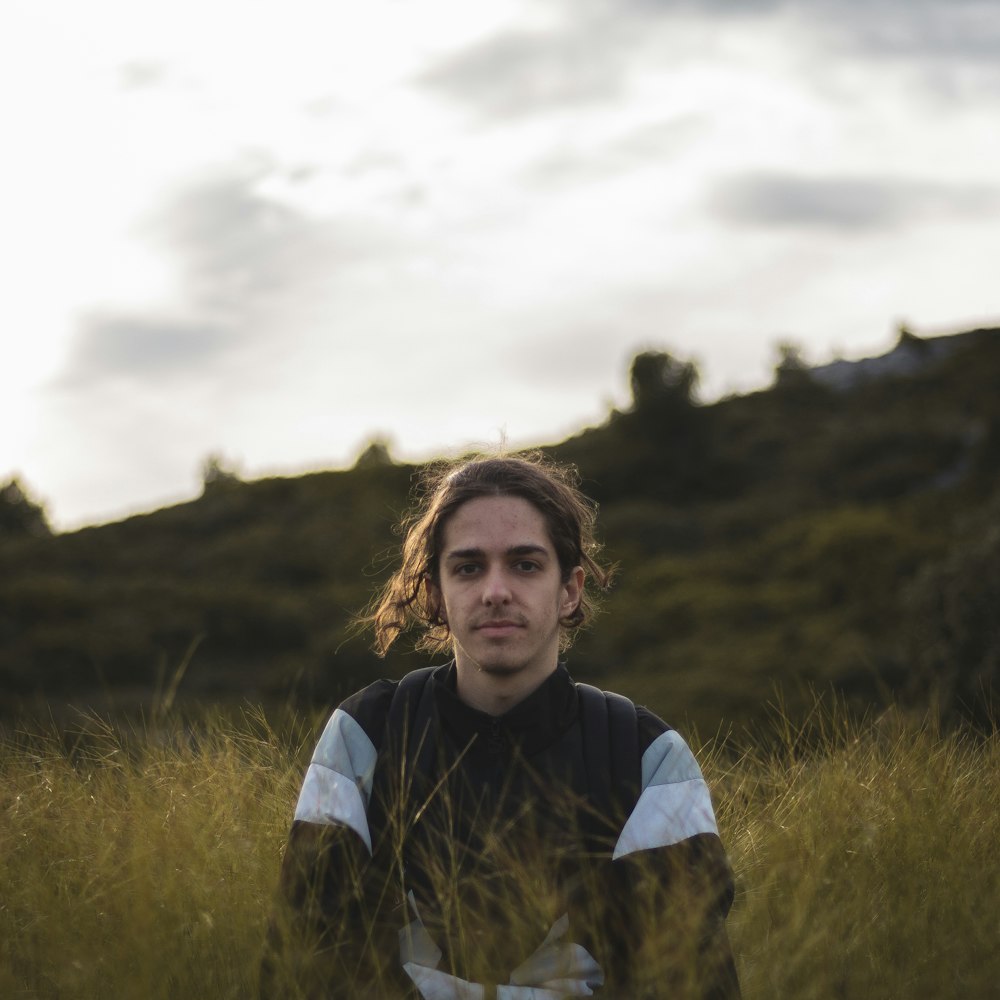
{"x":798,"y":535}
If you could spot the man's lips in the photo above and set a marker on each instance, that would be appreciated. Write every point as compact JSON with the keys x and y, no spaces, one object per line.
{"x":498,"y":625}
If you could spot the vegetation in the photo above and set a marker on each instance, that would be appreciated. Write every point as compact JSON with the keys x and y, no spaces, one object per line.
{"x":799,"y":537}
{"x":864,"y":862}
{"x":20,"y":516}
{"x":142,"y":862}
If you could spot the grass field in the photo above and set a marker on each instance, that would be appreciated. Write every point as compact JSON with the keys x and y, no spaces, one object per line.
{"x":142,"y":863}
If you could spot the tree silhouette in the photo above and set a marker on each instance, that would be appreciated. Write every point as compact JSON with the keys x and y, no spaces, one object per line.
{"x":659,"y":380}
{"x":376,"y":454}
{"x":218,"y":472}
{"x":20,"y":516}
{"x":791,"y":369}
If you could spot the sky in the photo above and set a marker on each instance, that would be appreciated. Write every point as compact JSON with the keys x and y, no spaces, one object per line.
{"x":273,"y":231}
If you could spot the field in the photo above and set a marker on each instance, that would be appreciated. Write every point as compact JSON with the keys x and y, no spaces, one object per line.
{"x":141,"y":863}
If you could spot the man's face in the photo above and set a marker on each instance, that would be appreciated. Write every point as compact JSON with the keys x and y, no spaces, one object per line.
{"x":501,"y":589}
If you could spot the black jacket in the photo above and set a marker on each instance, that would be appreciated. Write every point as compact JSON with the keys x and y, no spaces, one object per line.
{"x":501,"y":862}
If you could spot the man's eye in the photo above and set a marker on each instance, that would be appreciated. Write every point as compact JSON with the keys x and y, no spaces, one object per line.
{"x":527,"y":566}
{"x":465,"y":569}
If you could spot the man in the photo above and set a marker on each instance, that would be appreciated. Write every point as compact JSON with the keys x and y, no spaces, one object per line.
{"x":488,"y":828}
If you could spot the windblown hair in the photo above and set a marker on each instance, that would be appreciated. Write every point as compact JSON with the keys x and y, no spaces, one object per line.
{"x":570,"y":517}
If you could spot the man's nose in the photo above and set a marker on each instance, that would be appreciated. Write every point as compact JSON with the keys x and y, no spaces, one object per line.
{"x":496,"y":587}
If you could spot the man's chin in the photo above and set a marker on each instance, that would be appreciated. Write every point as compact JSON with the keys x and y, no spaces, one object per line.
{"x":499,"y":668}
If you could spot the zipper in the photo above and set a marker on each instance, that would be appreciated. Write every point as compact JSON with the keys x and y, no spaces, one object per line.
{"x":496,"y":744}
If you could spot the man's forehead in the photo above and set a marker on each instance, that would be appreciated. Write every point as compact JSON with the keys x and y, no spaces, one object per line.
{"x":503,"y":522}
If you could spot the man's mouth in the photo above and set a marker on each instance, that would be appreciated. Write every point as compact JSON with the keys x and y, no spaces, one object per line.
{"x":498,"y":625}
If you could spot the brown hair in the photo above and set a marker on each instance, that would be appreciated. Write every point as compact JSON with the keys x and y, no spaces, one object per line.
{"x":553,"y":489}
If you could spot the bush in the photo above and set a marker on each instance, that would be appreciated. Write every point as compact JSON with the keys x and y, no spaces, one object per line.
{"x":951,"y":634}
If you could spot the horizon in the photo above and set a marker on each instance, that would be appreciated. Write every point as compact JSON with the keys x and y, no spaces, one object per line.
{"x":235,"y":468}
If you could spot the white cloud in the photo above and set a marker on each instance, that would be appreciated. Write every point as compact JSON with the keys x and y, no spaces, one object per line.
{"x":846,"y":204}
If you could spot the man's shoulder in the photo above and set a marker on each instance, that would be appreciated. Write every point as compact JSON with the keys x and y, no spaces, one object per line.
{"x":370,"y":707}
{"x":649,"y":725}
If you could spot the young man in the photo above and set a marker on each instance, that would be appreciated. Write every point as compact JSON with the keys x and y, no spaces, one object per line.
{"x":488,"y":828}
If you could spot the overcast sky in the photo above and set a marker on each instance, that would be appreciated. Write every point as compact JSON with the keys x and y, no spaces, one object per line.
{"x":275,"y":228}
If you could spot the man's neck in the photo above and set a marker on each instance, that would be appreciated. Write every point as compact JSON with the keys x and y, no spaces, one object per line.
{"x":496,"y":693}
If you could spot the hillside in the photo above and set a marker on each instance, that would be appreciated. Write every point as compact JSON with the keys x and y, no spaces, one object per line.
{"x":825,"y":531}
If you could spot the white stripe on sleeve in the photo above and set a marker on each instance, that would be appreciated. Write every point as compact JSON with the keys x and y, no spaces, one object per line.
{"x":674,"y":803}
{"x":338,"y":783}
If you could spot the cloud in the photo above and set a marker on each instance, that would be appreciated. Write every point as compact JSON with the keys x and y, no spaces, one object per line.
{"x":247,"y":269}
{"x":585,"y":57}
{"x":140,"y":74}
{"x":232,"y":244}
{"x":230,"y":248}
{"x":651,"y":143}
{"x":595,"y":47}
{"x":236,"y":238}
{"x":839,"y":203}
{"x":880,"y":27}
{"x":519,"y":72}
{"x":967,"y":29}
{"x":648,"y":9}
{"x":129,"y":346}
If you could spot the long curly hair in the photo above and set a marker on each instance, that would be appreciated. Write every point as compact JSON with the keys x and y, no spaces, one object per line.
{"x":570,"y":517}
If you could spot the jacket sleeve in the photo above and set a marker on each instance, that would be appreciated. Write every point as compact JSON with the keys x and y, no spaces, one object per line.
{"x":325,"y":937}
{"x":673,"y":883}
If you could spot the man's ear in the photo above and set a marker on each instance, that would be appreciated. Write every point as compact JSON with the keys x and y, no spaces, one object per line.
{"x":572,"y":591}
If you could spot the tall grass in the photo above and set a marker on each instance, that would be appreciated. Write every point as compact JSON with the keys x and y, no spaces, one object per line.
{"x":140,"y":864}
{"x":867,"y":863}
{"x":143,"y":864}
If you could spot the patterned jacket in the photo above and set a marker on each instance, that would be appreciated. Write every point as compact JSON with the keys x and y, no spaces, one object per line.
{"x":479,"y":858}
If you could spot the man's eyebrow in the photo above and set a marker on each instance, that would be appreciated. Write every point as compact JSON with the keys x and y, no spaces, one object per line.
{"x":514,"y":550}
{"x":527,"y":550}
{"x":463,"y":554}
